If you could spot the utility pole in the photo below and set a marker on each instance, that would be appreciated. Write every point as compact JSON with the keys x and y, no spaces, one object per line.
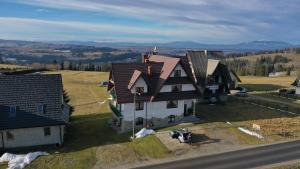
{"x":133,"y":121}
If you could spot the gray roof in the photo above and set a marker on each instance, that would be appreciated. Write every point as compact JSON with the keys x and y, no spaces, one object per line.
{"x":26,"y":92}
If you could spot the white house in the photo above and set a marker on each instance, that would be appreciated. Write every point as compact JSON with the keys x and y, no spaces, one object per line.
{"x":158,"y":92}
{"x":296,"y":84}
{"x":32,"y":111}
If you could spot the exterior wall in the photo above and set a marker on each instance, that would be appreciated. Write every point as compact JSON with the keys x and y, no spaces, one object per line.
{"x":27,"y":137}
{"x":185,"y":87}
{"x":157,"y":114}
{"x":297,"y":90}
{"x":154,"y":109}
{"x":140,"y":83}
{"x":179,"y":67}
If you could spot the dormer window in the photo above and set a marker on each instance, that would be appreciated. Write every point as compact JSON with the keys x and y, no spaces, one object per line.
{"x":12,"y":111}
{"x":139,"y":90}
{"x":177,"y":73}
{"x":176,"y":88}
{"x":40,"y":108}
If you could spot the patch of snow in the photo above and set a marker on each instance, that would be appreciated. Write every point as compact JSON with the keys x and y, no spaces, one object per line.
{"x":144,"y":132}
{"x":20,"y":161}
{"x":251,"y":133}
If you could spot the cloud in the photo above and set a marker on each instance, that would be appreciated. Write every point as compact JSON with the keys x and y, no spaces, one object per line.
{"x":200,"y":20}
{"x":42,"y":10}
{"x":39,"y":29}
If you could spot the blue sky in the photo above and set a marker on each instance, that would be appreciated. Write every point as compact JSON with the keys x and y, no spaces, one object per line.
{"x":204,"y":21}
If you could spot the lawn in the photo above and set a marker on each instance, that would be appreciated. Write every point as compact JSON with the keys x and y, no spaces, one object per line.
{"x":255,"y":83}
{"x":11,"y":66}
{"x":90,"y":142}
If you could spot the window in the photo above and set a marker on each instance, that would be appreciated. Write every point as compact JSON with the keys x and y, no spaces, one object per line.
{"x":177,"y":73}
{"x":9,"y":135}
{"x":40,"y":108}
{"x":172,"y":104}
{"x":139,"y":106}
{"x":12,"y":111}
{"x":47,"y":131}
{"x":172,"y":119}
{"x":139,"y":121}
{"x":139,"y":90}
{"x":176,"y":88}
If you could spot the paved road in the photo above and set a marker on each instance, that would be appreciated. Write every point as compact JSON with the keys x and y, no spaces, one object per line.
{"x":242,"y":159}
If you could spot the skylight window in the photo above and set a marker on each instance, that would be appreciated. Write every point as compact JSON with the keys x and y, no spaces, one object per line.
{"x":12,"y":111}
{"x":40,"y":108}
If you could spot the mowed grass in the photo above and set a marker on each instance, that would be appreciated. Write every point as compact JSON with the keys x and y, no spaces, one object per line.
{"x":11,"y":66}
{"x":89,"y":141}
{"x":255,"y":83}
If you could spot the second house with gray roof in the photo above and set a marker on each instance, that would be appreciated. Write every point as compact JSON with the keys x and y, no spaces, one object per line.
{"x":32,"y":110}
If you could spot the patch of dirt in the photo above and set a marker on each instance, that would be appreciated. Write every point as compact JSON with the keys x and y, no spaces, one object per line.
{"x":204,"y":141}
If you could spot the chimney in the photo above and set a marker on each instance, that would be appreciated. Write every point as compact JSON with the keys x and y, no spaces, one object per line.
{"x":149,"y":71}
{"x":145,"y":58}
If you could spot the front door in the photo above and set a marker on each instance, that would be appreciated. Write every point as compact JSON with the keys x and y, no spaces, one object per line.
{"x":185,"y":110}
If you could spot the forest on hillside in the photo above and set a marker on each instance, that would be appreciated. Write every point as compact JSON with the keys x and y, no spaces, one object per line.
{"x":262,"y":66}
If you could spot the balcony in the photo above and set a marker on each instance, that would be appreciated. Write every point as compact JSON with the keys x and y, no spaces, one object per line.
{"x":116,"y":112}
{"x":113,"y":94}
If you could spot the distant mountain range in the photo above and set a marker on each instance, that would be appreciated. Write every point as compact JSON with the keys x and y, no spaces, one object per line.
{"x":245,"y":46}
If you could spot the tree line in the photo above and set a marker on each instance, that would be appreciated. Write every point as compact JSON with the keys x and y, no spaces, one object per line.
{"x":262,"y":66}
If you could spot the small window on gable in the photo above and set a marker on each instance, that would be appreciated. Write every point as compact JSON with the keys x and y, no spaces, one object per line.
{"x":40,"y":108}
{"x":177,"y":73}
{"x":139,"y":90}
{"x":176,"y":88}
{"x":47,"y":131}
{"x":12,"y":111}
{"x":9,"y":135}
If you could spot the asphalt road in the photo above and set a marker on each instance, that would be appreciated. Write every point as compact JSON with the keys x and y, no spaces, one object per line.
{"x":242,"y":159}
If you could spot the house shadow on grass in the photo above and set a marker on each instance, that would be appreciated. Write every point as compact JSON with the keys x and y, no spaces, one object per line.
{"x":261,"y":87}
{"x":234,"y":111}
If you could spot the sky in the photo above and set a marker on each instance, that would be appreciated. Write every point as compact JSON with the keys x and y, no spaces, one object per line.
{"x":151,"y":21}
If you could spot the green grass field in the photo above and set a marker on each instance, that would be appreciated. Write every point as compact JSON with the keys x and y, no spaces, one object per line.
{"x":89,"y":140}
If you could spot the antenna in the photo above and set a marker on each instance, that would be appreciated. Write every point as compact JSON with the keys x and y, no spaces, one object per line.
{"x":154,"y":50}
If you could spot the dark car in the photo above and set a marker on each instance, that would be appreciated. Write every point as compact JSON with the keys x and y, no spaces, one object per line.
{"x":241,"y":89}
{"x":174,"y":134}
{"x":291,"y":91}
{"x":282,"y":91}
{"x":183,"y":135}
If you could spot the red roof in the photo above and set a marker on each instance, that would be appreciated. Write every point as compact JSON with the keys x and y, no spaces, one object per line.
{"x":125,"y":76}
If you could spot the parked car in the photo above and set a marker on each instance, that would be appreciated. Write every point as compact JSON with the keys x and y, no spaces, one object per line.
{"x":174,"y":134}
{"x":241,"y":94}
{"x":291,"y":91}
{"x":104,"y":83}
{"x":183,"y":135}
{"x":282,"y":91}
{"x":287,"y":91}
{"x":241,"y":89}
